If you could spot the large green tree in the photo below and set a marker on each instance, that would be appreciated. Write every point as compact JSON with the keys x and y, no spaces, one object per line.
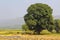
{"x":39,"y":17}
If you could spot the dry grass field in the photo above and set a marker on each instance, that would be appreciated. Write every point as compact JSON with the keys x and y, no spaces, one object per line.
{"x":30,"y":37}
{"x":12,"y":35}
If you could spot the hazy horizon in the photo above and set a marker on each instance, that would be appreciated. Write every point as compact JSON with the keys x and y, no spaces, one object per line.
{"x":10,"y":9}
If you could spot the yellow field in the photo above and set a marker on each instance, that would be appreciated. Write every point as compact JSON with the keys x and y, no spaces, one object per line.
{"x":13,"y":35}
{"x":30,"y":37}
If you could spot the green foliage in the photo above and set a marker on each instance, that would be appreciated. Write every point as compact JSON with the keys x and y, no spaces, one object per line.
{"x":39,"y":17}
{"x":24,"y":27}
{"x":31,"y":22}
{"x":57,"y":25}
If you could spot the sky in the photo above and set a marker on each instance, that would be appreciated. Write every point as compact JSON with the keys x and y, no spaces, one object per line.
{"x":10,"y":9}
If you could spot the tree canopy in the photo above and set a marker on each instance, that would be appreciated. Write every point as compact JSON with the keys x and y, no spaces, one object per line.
{"x":39,"y":17}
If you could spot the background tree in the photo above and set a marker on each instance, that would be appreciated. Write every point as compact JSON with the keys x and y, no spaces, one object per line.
{"x":39,"y":17}
{"x":24,"y":27}
{"x":57,"y":25}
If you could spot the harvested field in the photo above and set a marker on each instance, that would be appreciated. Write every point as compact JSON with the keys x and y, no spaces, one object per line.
{"x":30,"y":37}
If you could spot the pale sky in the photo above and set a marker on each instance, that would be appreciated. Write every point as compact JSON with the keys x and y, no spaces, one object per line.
{"x":10,"y":9}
